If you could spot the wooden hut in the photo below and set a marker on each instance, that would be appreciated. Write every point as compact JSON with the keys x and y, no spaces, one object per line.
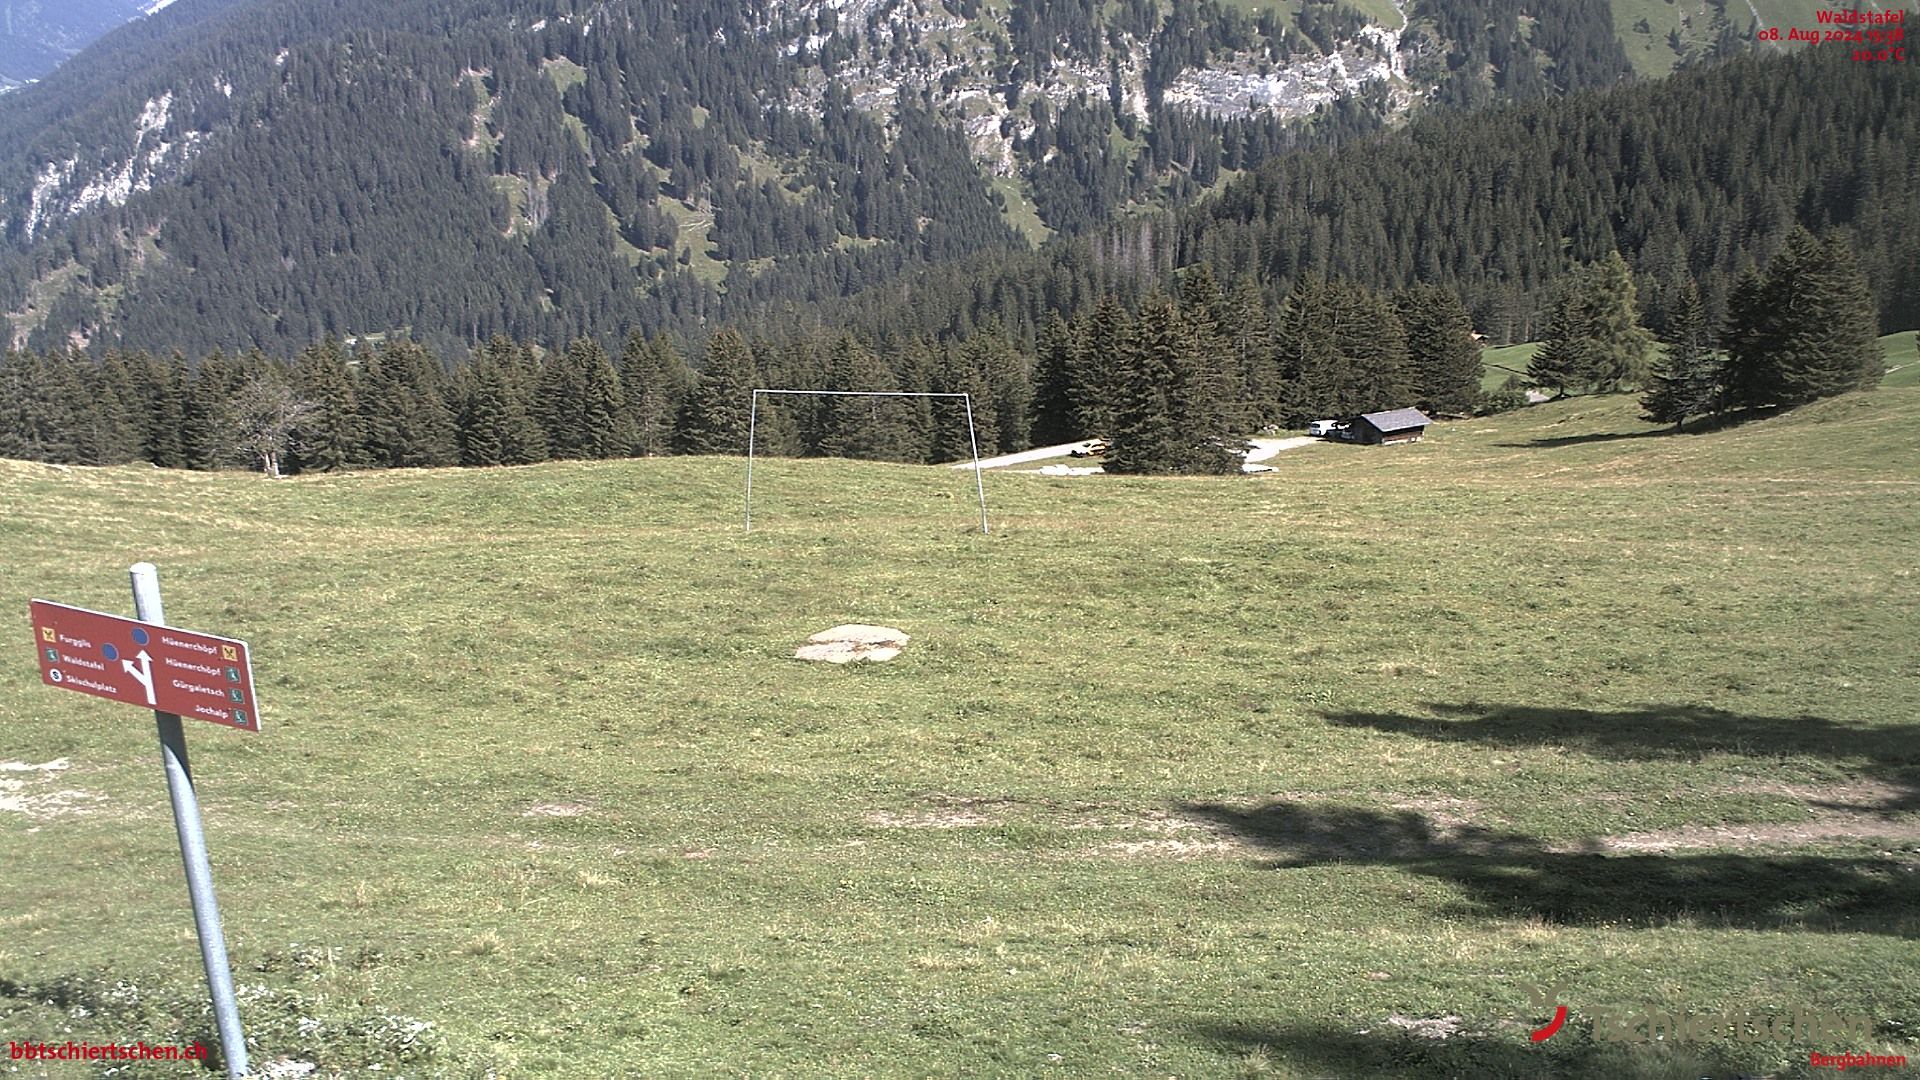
{"x":1392,"y":426}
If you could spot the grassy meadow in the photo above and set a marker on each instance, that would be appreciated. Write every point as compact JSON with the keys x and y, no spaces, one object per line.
{"x":1900,"y":350}
{"x":1280,"y":775}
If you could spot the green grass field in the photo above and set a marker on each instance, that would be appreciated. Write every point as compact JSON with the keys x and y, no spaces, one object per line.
{"x":1900,"y":350}
{"x":1263,"y":776}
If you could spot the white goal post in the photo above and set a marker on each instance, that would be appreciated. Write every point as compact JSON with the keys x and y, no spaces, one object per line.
{"x":753,"y":423}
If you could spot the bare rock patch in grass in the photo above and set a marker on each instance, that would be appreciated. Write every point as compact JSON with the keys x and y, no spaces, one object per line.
{"x":1434,"y":1027}
{"x":853,"y":641}
{"x":563,"y":809}
{"x":23,"y":790}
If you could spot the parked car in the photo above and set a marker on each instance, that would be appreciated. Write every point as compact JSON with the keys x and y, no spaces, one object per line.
{"x":1324,"y":429}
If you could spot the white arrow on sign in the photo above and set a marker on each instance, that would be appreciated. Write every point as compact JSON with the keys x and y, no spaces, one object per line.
{"x":142,"y":674}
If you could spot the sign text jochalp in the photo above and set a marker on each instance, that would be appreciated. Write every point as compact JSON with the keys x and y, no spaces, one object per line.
{"x":194,"y":675}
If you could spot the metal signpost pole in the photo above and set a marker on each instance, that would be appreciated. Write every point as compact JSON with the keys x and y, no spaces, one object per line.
{"x":753,"y":419}
{"x":193,"y":844}
{"x":979,"y":482}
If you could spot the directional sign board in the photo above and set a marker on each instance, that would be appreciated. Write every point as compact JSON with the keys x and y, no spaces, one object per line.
{"x":158,"y":667}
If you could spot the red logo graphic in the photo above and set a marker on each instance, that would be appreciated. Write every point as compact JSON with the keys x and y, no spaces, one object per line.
{"x":1543,"y":1001}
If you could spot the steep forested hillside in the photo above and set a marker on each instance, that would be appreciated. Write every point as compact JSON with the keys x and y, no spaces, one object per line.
{"x":1702,"y":175}
{"x":263,"y":172}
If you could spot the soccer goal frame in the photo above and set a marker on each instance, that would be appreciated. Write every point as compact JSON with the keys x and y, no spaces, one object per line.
{"x":973,"y":441}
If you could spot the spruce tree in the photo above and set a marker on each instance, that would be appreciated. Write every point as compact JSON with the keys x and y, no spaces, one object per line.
{"x":871,"y":428}
{"x":1142,"y":437}
{"x":605,"y":428}
{"x":1804,"y":329}
{"x":1593,"y":338}
{"x":483,"y":415}
{"x":331,"y":438}
{"x":213,"y":380}
{"x":560,"y":401}
{"x":522,"y":440}
{"x":1686,"y":382}
{"x":1373,"y":349}
{"x":121,"y":389}
{"x":1249,"y":335}
{"x":41,"y":400}
{"x":714,"y":418}
{"x":963,"y":370}
{"x":1007,"y":377}
{"x":655,"y":379}
{"x":408,"y":421}
{"x":1053,"y":420}
{"x":171,"y":380}
{"x":1442,"y":356}
{"x":1095,"y":383}
{"x":1170,"y":416}
{"x":1747,"y":371}
{"x":1306,"y":352}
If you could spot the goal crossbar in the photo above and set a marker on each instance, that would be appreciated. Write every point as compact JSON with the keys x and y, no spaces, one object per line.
{"x":973,"y":442}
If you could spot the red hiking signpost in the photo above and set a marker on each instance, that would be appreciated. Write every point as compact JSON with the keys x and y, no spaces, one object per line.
{"x":171,"y":671}
{"x":175,"y":673}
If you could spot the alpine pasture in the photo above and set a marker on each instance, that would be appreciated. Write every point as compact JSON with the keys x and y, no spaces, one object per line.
{"x":1304,"y":774}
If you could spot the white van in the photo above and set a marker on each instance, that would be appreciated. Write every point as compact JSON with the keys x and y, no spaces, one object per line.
{"x":1321,"y":429}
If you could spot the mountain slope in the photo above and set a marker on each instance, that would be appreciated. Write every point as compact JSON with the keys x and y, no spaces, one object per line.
{"x":261,"y":172}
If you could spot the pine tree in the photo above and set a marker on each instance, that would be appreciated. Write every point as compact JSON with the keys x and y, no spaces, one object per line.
{"x":606,"y":430}
{"x":1053,"y":420}
{"x":560,"y":402}
{"x":1804,"y":329}
{"x":1687,"y":381}
{"x":871,"y":428}
{"x":331,"y":438}
{"x":1142,"y":437}
{"x":1170,"y":417}
{"x":656,"y":382}
{"x":1593,"y":338}
{"x":1249,"y":335}
{"x":714,"y":418}
{"x":1095,"y":384}
{"x":1442,"y":356}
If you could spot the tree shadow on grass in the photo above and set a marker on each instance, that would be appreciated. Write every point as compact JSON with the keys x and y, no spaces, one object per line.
{"x":1512,"y":875}
{"x":1595,"y":437}
{"x":1330,"y":1051}
{"x":1698,"y":426}
{"x":1889,"y":753}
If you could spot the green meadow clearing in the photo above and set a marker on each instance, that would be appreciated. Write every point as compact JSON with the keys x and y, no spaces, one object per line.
{"x":1279,"y":775}
{"x":1900,"y":350}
